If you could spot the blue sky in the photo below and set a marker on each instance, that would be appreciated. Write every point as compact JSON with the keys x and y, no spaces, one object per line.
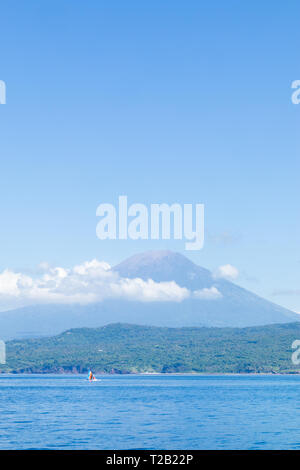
{"x":162,"y":101}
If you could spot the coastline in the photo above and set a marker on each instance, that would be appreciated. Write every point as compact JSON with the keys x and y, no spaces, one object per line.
{"x":147,"y":374}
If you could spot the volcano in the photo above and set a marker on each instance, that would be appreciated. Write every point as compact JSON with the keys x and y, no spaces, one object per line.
{"x":233,"y":306}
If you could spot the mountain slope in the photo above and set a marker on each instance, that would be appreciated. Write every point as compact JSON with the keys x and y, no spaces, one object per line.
{"x":124,"y":348}
{"x":237,"y":307}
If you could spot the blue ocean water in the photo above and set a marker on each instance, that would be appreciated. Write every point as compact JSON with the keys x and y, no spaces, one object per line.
{"x":149,"y":412}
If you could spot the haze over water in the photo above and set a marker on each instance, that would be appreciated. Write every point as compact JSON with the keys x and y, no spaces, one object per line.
{"x":149,"y":412}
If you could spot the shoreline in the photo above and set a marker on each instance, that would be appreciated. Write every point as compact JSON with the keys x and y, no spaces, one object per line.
{"x":147,"y":374}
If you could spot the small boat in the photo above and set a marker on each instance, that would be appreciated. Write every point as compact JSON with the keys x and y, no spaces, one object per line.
{"x":91,"y":377}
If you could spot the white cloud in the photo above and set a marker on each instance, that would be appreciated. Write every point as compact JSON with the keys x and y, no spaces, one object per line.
{"x":11,"y":282}
{"x":208,"y":293}
{"x":92,"y":267}
{"x":227,"y":271}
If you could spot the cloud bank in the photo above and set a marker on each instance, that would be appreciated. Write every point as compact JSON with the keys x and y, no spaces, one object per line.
{"x":90,"y":282}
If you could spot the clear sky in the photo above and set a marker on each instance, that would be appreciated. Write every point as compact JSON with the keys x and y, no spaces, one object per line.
{"x":167,"y":101}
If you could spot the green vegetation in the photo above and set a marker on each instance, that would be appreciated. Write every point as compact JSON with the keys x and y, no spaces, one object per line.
{"x":124,"y":348}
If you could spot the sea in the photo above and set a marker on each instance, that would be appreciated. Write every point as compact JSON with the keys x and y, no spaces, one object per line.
{"x":150,"y":412}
